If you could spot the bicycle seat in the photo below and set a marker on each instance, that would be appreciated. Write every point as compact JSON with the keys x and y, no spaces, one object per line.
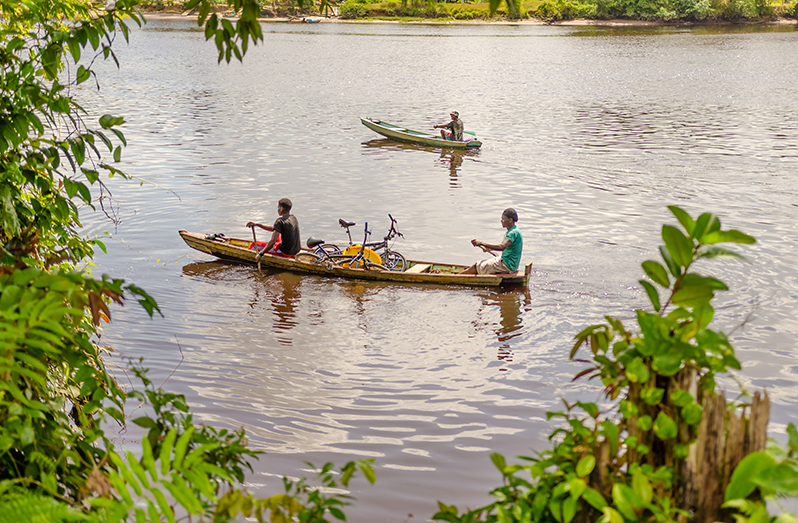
{"x":345,"y":223}
{"x":312,"y":242}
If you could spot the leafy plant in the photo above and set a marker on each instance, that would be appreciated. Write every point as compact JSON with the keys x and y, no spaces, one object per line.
{"x":764,"y":478}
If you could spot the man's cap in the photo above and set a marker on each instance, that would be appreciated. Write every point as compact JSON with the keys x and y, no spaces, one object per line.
{"x":455,"y":113}
{"x":510,"y":213}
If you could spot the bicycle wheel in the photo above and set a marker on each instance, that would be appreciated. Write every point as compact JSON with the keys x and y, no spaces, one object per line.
{"x":371,"y":266}
{"x":394,"y":261}
{"x":329,"y":247}
{"x":307,"y":257}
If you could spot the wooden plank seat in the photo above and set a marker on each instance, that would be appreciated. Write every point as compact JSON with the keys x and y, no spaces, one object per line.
{"x":419,"y":268}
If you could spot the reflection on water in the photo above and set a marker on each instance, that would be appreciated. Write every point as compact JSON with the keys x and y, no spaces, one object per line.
{"x":449,"y":159}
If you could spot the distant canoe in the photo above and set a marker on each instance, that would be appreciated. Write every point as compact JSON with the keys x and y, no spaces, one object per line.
{"x":417,"y":272}
{"x":409,"y":135}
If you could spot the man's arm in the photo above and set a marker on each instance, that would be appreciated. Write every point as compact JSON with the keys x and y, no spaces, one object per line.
{"x":264,"y":227}
{"x":491,"y":246}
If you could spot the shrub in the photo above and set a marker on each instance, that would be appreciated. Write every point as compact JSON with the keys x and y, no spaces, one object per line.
{"x":554,"y":10}
{"x":353,"y":9}
{"x":694,"y":9}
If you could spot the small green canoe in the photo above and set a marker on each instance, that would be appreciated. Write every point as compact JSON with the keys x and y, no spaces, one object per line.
{"x":409,"y":135}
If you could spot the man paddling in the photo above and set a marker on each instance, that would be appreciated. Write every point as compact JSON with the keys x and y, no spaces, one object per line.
{"x":510,"y":247}
{"x":455,"y":127}
{"x":285,"y":240}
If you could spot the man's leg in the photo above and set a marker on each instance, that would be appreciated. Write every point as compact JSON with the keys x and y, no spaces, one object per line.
{"x":470,"y":270}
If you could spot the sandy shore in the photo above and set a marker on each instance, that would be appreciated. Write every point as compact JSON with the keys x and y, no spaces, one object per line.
{"x":174,"y":15}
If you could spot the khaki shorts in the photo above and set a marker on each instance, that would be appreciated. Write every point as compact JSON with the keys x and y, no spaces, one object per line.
{"x":492,"y":266}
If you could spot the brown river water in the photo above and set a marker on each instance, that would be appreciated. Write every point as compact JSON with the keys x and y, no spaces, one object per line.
{"x":588,"y":132}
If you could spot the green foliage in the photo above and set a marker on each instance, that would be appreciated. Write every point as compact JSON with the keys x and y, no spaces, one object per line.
{"x":556,"y":10}
{"x":772,"y":475}
{"x":353,"y":9}
{"x":625,"y":465}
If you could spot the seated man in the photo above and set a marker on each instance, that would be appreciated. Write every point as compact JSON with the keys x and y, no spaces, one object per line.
{"x":285,"y":240}
{"x":455,"y":126}
{"x":510,"y":247}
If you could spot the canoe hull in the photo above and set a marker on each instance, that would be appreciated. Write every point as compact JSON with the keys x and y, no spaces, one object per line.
{"x":409,"y":135}
{"x":443,"y":274}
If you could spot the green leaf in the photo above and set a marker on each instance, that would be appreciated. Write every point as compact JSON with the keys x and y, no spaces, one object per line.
{"x":792,"y":432}
{"x":642,"y":487}
{"x":703,"y":315}
{"x":166,"y":510}
{"x":665,"y":427}
{"x":694,"y":296}
{"x":626,"y":500}
{"x":705,"y":224}
{"x":611,"y":515}
{"x":656,"y":272}
{"x":166,"y":450}
{"x":137,"y":469}
{"x":82,"y":75}
{"x":577,"y":487}
{"x":591,"y":409}
{"x":680,"y":398}
{"x":644,"y":423}
{"x":107,"y":121}
{"x":653,"y":295}
{"x":727,"y":237}
{"x":569,"y":508}
{"x":684,"y":218}
{"x":337,"y":513}
{"x":555,"y":506}
{"x":498,"y":461}
{"x":125,"y":472}
{"x":692,"y":414}
{"x":719,"y":252}
{"x":637,"y":371}
{"x":585,"y":465}
{"x":27,"y":436}
{"x":367,"y":471}
{"x":145,"y":422}
{"x":674,"y":267}
{"x":652,"y":395}
{"x":147,"y":458}
{"x":595,"y":499}
{"x":181,"y":447}
{"x":669,"y":363}
{"x":678,"y":245}
{"x":741,"y":484}
{"x":782,"y":478}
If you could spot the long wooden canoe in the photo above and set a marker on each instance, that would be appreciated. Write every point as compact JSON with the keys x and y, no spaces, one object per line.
{"x":417,"y":272}
{"x":409,"y":135}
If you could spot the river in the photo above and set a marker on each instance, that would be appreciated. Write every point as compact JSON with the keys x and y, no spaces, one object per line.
{"x":589,"y":133}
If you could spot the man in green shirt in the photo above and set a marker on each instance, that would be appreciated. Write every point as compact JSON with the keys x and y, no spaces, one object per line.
{"x":511,"y":247}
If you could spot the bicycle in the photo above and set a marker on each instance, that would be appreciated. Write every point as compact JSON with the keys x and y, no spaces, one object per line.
{"x":364,"y":259}
{"x":392,"y":260}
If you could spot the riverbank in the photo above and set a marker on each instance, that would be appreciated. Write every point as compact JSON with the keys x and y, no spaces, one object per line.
{"x":177,"y":14}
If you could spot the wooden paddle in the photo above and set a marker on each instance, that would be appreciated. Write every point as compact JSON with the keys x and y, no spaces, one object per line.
{"x":255,"y":244}
{"x":484,"y":249}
